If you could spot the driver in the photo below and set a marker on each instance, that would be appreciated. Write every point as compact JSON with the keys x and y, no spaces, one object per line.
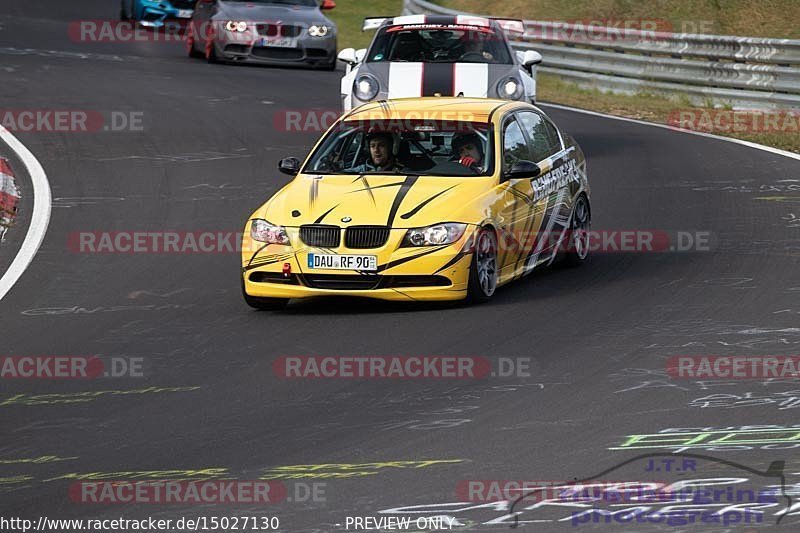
{"x":382,"y":154}
{"x":474,"y":45}
{"x":468,"y":150}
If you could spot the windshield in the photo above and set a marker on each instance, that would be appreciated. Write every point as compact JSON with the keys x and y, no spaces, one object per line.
{"x":421,"y":147}
{"x":439,"y":44}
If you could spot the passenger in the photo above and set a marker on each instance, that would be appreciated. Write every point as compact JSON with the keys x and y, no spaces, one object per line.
{"x":468,"y":150}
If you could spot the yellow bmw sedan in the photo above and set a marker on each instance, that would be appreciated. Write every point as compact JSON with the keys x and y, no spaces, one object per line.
{"x":420,"y":199}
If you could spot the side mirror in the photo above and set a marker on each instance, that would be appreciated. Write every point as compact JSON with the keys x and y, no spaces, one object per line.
{"x":348,"y":55}
{"x":523,"y":169}
{"x":327,"y":4}
{"x":531,"y":58}
{"x":360,"y":55}
{"x":290,"y":166}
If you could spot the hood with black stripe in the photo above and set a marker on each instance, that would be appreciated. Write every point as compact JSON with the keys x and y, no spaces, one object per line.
{"x":410,"y":79}
{"x":395,"y":200}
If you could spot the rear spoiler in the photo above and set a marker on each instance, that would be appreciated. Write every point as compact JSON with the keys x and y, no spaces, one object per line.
{"x":516,"y":26}
{"x":373,"y":23}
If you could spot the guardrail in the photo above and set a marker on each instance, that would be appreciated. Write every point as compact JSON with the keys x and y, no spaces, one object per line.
{"x":742,"y":72}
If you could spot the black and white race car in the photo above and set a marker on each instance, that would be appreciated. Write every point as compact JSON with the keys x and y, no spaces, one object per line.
{"x":430,"y":55}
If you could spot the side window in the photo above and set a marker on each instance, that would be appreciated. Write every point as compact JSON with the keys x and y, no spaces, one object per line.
{"x":543,"y":135}
{"x":515,"y":147}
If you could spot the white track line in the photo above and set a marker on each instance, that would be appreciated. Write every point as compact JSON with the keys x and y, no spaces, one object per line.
{"x":41,"y":213}
{"x":673,"y":128}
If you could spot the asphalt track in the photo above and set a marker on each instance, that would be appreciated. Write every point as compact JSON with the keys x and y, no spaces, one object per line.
{"x":598,"y":336}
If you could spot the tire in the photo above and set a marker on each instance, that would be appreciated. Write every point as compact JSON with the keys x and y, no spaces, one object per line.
{"x":329,"y":66}
{"x":264,"y":304}
{"x":211,"y":48}
{"x":123,"y":13}
{"x":190,"y":49}
{"x":483,"y":268}
{"x":578,"y":244}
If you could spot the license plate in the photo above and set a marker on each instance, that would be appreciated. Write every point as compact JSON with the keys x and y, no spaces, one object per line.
{"x":343,"y":262}
{"x":278,"y":42}
{"x":184,"y":13}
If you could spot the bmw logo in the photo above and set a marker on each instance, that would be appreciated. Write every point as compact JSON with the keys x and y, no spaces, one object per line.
{"x":346,"y":219}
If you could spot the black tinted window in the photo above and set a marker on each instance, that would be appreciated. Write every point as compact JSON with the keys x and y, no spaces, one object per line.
{"x":515,"y":147}
{"x":543,"y":135}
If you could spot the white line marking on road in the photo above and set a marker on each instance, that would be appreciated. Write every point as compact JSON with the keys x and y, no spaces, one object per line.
{"x":41,"y":213}
{"x":757,"y":146}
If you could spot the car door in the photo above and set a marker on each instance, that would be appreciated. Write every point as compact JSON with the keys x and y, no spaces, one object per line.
{"x":519,"y":212}
{"x":551,"y":189}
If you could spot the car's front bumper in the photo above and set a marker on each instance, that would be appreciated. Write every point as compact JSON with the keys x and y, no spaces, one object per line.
{"x":406,"y":274}
{"x":248,"y":47}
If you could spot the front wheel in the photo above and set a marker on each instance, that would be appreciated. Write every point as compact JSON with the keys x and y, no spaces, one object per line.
{"x":190,"y":43}
{"x":578,"y":241}
{"x":123,"y":13}
{"x":483,"y":269}
{"x":211,"y":48}
{"x":264,"y":304}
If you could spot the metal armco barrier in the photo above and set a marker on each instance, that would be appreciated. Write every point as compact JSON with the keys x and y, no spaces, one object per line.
{"x":742,"y":72}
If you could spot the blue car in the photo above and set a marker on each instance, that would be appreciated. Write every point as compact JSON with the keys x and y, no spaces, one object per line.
{"x":153,"y":13}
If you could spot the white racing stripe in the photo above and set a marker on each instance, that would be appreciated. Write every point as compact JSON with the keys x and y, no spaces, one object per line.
{"x":405,"y":80}
{"x":472,"y":79}
{"x":39,"y":219}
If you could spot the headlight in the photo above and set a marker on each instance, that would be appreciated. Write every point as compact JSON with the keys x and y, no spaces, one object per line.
{"x":236,"y":26}
{"x":263,"y":231}
{"x":318,"y":31}
{"x":366,"y":87}
{"x":446,"y":233}
{"x":510,"y":89}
